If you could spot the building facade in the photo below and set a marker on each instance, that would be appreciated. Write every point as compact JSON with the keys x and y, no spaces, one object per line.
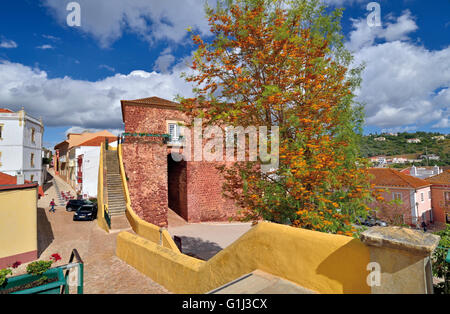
{"x":193,"y":189}
{"x":77,"y":160}
{"x":440,"y":194}
{"x":21,"y":145}
{"x":406,"y":199}
{"x":18,"y":221}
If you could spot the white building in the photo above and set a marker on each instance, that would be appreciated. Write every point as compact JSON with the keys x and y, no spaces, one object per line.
{"x":78,"y":158}
{"x":21,"y":145}
{"x":380,"y":139}
{"x":413,"y":140}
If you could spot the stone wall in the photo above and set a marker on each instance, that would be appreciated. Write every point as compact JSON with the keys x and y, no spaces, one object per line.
{"x":205,"y":199}
{"x":192,"y":189}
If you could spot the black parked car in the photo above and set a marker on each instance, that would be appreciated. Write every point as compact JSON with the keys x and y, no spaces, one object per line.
{"x":73,"y":205}
{"x":86,"y":212}
{"x":371,"y":221}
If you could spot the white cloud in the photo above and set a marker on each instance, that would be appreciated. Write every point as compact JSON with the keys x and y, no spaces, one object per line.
{"x":69,"y":102}
{"x":401,"y":79}
{"x":77,"y":129}
{"x":164,"y":61}
{"x":45,"y":47}
{"x":153,"y":20}
{"x":107,"y":67}
{"x":364,"y":36}
{"x":8,"y":44}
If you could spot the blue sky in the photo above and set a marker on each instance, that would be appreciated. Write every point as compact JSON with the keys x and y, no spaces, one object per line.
{"x":74,"y":77}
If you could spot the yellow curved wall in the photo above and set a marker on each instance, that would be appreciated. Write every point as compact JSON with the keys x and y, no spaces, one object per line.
{"x":100,"y":201}
{"x":317,"y":261}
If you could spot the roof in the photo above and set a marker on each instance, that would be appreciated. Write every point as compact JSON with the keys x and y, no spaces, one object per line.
{"x":442,"y":178}
{"x":96,"y":141}
{"x":8,"y":182}
{"x":150,"y":101}
{"x":87,"y":139}
{"x":3,"y":110}
{"x":393,"y":178}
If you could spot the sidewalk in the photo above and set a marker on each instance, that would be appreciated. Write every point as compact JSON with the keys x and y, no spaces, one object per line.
{"x":104,"y":271}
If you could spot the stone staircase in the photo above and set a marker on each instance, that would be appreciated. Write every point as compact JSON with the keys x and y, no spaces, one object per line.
{"x":116,"y":200}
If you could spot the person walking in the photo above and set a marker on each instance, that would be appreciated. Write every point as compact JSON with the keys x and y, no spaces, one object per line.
{"x":52,"y":204}
{"x":424,"y":226}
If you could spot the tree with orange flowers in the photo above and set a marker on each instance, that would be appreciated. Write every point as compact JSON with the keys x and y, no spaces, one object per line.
{"x":283,"y":63}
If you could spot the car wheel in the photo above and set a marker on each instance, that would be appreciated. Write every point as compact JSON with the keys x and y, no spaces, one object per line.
{"x":69,"y":209}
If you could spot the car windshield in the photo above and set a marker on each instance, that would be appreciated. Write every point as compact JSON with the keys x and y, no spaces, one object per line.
{"x":86,"y":208}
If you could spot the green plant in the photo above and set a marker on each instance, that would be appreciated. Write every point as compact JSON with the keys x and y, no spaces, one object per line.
{"x":3,"y":273}
{"x":39,"y":267}
{"x":441,"y":268}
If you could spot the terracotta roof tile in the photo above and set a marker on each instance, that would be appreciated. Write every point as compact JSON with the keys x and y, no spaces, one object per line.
{"x":394,"y":178}
{"x":443,"y":178}
{"x":3,"y":110}
{"x":150,"y":101}
{"x":153,"y":101}
{"x":7,"y":181}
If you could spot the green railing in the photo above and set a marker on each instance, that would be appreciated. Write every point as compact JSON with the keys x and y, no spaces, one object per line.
{"x":80,"y":265}
{"x":58,"y":276}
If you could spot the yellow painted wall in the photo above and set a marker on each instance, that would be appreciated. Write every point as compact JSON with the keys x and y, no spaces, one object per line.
{"x":317,"y":261}
{"x":18,"y":221}
{"x":100,"y":201}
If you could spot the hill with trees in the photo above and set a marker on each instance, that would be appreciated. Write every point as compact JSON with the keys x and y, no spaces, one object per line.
{"x":395,"y":145}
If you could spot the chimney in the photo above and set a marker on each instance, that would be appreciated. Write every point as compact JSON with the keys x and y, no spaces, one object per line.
{"x":413,"y":171}
{"x":20,"y":178}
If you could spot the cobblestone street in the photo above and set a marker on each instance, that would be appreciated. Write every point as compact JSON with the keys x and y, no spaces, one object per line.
{"x":104,"y":271}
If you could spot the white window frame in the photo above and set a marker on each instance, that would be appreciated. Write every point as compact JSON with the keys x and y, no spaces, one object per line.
{"x":397,"y":196}
{"x":178,"y":129}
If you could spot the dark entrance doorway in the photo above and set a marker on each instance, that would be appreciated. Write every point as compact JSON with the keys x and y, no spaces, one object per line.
{"x":177,"y":186}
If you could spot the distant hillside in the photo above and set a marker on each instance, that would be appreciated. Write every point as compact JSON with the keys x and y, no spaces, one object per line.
{"x":397,"y":145}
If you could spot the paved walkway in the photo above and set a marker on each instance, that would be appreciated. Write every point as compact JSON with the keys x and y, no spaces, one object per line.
{"x":204,"y":240}
{"x":104,"y":271}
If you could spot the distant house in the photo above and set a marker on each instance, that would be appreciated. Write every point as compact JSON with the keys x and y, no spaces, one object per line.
{"x":392,"y":134}
{"x":413,"y":140}
{"x":21,"y":145}
{"x":380,"y":139}
{"x":422,"y":172}
{"x":379,"y":160}
{"x":414,"y":195}
{"x":430,"y":157}
{"x":76,"y":160}
{"x":439,"y":138}
{"x":440,"y":194}
{"x":399,"y":160}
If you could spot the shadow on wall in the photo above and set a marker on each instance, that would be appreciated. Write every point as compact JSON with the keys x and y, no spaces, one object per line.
{"x":199,"y":248}
{"x":45,"y":232}
{"x":48,"y":182}
{"x":345,"y":270}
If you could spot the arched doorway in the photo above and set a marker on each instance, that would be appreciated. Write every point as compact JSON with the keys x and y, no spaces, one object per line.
{"x":177,"y":186}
